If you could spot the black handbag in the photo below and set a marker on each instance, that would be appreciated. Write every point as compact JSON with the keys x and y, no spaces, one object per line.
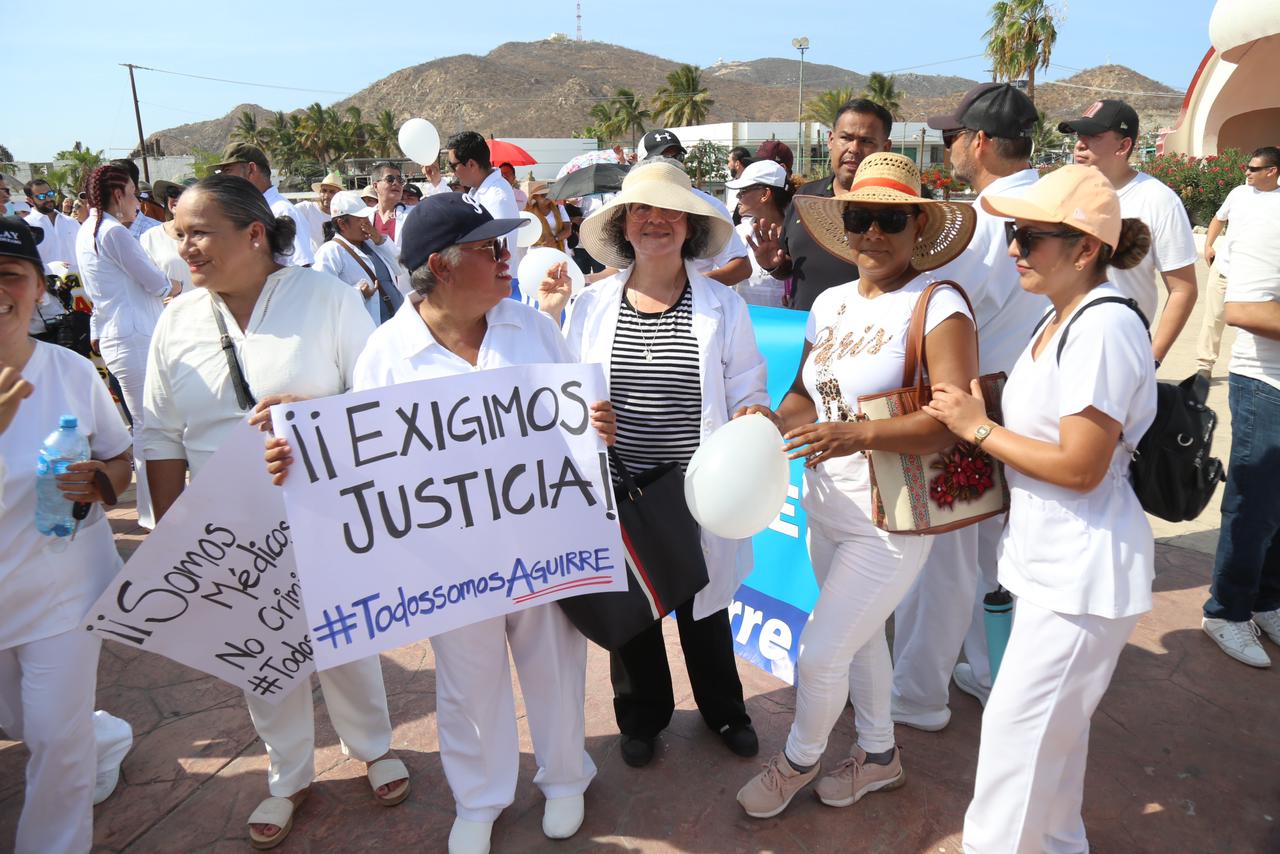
{"x":662,"y":546}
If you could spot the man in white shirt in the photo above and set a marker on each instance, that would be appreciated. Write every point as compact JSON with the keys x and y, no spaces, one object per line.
{"x":316,"y":214}
{"x":989,"y":138}
{"x":363,"y":257}
{"x":249,"y":162}
{"x":468,"y":155}
{"x":739,"y":157}
{"x":59,"y":243}
{"x":1244,"y":598}
{"x":434,"y":184}
{"x":1105,"y":137}
{"x":1261,"y":175}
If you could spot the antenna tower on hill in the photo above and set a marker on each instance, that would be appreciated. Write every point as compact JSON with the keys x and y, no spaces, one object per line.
{"x":579,"y":20}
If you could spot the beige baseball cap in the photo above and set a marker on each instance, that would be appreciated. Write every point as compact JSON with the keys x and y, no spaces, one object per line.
{"x":1078,"y":196}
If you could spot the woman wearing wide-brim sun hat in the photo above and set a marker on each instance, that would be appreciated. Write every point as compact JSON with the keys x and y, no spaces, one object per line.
{"x":855,"y":345}
{"x":680,"y":356}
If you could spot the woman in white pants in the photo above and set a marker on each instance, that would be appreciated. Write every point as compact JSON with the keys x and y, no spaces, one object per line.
{"x":294,"y":333}
{"x":460,"y":319}
{"x":1077,"y":552}
{"x":128,"y":293}
{"x":48,"y":662}
{"x":855,"y":345}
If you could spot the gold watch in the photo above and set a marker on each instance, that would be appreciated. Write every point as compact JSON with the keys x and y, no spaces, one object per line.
{"x":981,"y":433}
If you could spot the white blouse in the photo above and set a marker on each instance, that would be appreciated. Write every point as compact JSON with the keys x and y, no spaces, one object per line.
{"x":127,"y":290}
{"x":163,"y":252}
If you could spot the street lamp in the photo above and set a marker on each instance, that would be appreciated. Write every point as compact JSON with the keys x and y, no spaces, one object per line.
{"x":801,"y":44}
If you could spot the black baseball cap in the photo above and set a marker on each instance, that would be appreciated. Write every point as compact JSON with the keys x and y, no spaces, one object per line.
{"x":446,"y":219}
{"x":19,"y":240}
{"x":1104,"y":116}
{"x":997,"y":109}
{"x":657,"y":141}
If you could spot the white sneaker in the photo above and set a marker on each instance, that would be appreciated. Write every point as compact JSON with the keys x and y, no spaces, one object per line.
{"x":968,"y":683}
{"x":930,"y":721}
{"x":114,"y":738}
{"x":1269,"y":622}
{"x":1238,"y":640}
{"x":562,"y":817}
{"x":470,"y":837}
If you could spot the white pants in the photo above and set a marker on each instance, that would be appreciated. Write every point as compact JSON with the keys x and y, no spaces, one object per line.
{"x":1035,"y":732}
{"x":126,"y":359}
{"x":476,"y":715}
{"x":862,"y":577}
{"x":356,"y":701}
{"x":46,"y":693}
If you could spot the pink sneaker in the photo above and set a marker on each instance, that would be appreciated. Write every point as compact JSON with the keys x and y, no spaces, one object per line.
{"x":769,"y":792}
{"x":855,"y":777}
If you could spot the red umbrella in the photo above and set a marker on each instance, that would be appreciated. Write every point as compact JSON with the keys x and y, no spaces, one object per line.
{"x":508,"y":152}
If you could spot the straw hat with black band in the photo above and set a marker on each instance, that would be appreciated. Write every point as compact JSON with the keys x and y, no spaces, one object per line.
{"x":890,"y":179}
{"x":662,"y":185}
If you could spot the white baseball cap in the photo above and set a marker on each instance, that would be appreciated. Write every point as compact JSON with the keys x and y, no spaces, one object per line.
{"x":766,"y":172}
{"x":348,"y":203}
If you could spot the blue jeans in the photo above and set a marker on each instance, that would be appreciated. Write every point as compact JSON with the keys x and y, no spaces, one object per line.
{"x":1246,"y":574}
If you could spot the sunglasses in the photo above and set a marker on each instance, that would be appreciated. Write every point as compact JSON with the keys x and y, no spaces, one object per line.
{"x":1247,"y":169}
{"x":642,"y":211}
{"x":392,"y":179}
{"x":892,"y":221}
{"x":1027,"y":237}
{"x":949,"y":137}
{"x":496,"y":247}
{"x":43,"y":196}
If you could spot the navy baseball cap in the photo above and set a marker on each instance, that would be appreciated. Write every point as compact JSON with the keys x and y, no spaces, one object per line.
{"x":19,"y":240}
{"x":444,"y":220}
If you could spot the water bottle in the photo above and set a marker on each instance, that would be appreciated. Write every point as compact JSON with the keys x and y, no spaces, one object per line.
{"x":998,"y":622}
{"x":65,"y":446}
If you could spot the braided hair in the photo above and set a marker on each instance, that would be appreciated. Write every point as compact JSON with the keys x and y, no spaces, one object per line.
{"x":104,"y":182}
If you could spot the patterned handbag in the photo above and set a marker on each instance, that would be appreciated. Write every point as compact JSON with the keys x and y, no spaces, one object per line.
{"x":932,"y":493}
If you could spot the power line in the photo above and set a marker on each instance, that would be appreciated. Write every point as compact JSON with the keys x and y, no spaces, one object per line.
{"x":241,"y":82}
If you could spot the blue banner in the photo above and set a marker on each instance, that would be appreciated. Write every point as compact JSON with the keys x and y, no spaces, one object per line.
{"x":771,"y":607}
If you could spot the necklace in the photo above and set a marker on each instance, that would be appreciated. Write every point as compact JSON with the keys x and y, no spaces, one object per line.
{"x":649,"y":340}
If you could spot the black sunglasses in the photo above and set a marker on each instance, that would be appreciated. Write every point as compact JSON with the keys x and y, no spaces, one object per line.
{"x":496,"y":246}
{"x":891,"y":221}
{"x":1247,"y":169}
{"x":949,"y":137}
{"x":1027,"y":237}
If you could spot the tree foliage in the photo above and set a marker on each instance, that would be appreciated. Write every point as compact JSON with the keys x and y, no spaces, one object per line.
{"x":683,"y":100}
{"x":706,"y":161}
{"x":1021,"y":39}
{"x":310,"y":143}
{"x":881,"y":89}
{"x":823,"y":108}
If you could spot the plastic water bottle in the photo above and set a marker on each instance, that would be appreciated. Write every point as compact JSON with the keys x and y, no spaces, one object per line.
{"x":65,"y":446}
{"x":998,"y":622}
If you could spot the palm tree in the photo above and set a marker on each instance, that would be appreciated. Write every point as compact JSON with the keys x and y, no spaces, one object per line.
{"x":83,"y":161}
{"x":601,"y":126}
{"x":880,"y":89}
{"x":1021,"y":39}
{"x":627,"y":114}
{"x":683,"y":101}
{"x":1045,"y":137}
{"x":384,"y":136}
{"x":248,"y":130}
{"x":823,"y":108}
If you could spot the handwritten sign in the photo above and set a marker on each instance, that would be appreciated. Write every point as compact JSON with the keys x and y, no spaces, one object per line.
{"x":215,"y":585}
{"x":421,"y":507}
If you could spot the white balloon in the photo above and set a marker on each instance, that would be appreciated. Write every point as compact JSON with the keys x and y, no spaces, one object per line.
{"x":535,"y":264}
{"x":737,"y":480}
{"x":528,"y":233}
{"x":419,"y":141}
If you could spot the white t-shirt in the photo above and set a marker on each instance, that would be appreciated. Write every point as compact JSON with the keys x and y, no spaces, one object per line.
{"x":303,"y":253}
{"x":863,"y":344}
{"x":1238,"y":201}
{"x":45,"y":592}
{"x":1172,"y":246}
{"x":59,"y":243}
{"x":314,"y":218}
{"x":1255,"y":277}
{"x":759,"y":288}
{"x":163,"y":252}
{"x":303,"y":337}
{"x":1006,"y":313}
{"x":1067,"y":551}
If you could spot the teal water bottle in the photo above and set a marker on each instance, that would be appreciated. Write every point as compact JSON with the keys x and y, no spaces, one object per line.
{"x":997,"y":620}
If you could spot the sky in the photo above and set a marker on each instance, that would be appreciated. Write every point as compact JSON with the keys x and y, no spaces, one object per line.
{"x":76,"y":89}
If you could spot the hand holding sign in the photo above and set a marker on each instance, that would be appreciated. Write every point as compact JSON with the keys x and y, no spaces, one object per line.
{"x":737,"y":479}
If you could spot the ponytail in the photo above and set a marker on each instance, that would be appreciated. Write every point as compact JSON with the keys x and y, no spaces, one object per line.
{"x":101,"y":187}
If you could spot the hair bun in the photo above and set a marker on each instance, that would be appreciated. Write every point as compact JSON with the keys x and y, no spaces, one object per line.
{"x":1133,"y":245}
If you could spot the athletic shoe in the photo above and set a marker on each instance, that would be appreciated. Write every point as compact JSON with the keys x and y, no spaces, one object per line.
{"x":968,"y":683}
{"x":1238,"y":640}
{"x":926,"y":721}
{"x":741,"y":739}
{"x":855,"y":777}
{"x":1269,"y":622}
{"x":470,"y":837}
{"x":769,"y":792}
{"x":561,"y":817}
{"x":113,"y":738}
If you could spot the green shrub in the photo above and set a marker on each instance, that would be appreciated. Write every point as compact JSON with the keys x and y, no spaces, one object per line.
{"x":1201,"y":182}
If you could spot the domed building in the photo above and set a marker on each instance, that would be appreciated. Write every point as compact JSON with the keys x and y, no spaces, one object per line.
{"x":1233,"y":100}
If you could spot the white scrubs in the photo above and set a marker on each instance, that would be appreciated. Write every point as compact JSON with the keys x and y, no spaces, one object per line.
{"x":1081,"y":566}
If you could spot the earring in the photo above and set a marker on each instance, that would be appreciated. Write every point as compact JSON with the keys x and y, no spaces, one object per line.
{"x":255,"y":245}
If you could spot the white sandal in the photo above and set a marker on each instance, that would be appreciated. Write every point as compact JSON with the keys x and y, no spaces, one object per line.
{"x":275,"y":811}
{"x":384,"y":772}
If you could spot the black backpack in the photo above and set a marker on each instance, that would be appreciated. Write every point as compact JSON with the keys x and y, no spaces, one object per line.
{"x":1171,"y":472}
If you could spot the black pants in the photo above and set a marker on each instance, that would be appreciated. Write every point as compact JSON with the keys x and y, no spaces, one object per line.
{"x":643,"y":701}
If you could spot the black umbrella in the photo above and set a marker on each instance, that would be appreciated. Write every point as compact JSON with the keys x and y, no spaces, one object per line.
{"x":596,"y":178}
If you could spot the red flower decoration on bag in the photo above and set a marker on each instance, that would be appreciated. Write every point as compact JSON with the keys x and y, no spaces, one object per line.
{"x":966,"y":474}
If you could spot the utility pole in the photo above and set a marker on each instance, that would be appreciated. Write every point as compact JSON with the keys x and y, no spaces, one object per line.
{"x":801,"y":44}
{"x":137,"y":114}
{"x":579,"y":20}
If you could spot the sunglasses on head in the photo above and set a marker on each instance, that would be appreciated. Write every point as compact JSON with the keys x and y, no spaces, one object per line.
{"x":496,"y":246}
{"x":1027,"y":237}
{"x":891,"y":221}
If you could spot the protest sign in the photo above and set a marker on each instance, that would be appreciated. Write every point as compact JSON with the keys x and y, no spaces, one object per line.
{"x":425,"y":506}
{"x":215,"y":585}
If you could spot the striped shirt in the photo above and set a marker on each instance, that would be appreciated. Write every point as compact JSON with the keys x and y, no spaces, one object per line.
{"x":656,"y":385}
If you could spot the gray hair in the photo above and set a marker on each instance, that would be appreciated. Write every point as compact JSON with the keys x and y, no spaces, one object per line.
{"x":695,"y":245}
{"x":423,"y":280}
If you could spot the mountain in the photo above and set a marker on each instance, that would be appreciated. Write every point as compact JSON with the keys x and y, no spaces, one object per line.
{"x":547,"y":89}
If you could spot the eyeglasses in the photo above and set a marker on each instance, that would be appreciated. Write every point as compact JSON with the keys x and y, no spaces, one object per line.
{"x":392,"y":179}
{"x":496,"y":247}
{"x":1247,"y":169}
{"x":642,"y":211}
{"x":891,"y":221}
{"x":42,"y":196}
{"x":454,"y":164}
{"x":949,"y":137}
{"x":1027,"y":237}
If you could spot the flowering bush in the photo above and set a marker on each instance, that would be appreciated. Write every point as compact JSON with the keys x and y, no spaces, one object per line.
{"x":1201,"y":182}
{"x":939,"y":177}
